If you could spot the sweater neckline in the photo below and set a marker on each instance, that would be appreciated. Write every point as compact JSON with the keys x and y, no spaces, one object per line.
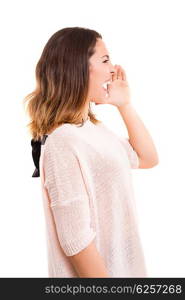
{"x":79,"y":125}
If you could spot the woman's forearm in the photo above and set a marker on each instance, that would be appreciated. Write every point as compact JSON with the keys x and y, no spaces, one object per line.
{"x":139,"y":136}
{"x":89,"y":263}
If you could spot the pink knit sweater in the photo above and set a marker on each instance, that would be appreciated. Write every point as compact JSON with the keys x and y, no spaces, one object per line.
{"x":88,"y":195}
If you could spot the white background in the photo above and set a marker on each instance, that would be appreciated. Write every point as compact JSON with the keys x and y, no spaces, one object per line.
{"x":147,"y":39}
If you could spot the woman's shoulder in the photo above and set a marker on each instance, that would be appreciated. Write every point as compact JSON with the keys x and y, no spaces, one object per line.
{"x":61,"y":137}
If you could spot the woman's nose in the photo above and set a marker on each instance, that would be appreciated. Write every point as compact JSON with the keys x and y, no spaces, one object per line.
{"x":113,"y":70}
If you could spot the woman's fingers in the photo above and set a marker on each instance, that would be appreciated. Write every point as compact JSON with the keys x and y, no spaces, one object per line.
{"x":114,"y":75}
{"x":123,"y":73}
{"x":120,"y":73}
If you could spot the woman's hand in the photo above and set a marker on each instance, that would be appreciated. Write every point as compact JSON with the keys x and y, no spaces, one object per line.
{"x":118,"y":90}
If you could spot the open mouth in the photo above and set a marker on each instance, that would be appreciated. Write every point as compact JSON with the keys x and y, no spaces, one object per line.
{"x":104,"y":85}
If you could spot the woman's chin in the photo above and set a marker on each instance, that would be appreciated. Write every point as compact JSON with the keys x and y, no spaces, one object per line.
{"x":101,"y":99}
{"x":104,"y":96}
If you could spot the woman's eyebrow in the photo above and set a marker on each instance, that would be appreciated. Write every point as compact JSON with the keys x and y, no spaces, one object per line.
{"x":106,"y":56}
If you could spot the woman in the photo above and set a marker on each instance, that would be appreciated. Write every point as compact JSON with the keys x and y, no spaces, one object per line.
{"x":85,"y":168}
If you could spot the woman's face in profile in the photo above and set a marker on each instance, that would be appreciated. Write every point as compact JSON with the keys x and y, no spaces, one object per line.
{"x":100,"y":72}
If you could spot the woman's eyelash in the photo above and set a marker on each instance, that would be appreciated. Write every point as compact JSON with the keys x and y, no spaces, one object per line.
{"x":106,"y":60}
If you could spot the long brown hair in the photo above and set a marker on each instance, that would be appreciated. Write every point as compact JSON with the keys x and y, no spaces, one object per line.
{"x":62,"y":80}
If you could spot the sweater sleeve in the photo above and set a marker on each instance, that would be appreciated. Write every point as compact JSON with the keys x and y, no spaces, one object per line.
{"x":69,"y":199}
{"x":131,"y":153}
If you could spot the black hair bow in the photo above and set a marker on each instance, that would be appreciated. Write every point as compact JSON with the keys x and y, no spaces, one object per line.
{"x":36,"y":150}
